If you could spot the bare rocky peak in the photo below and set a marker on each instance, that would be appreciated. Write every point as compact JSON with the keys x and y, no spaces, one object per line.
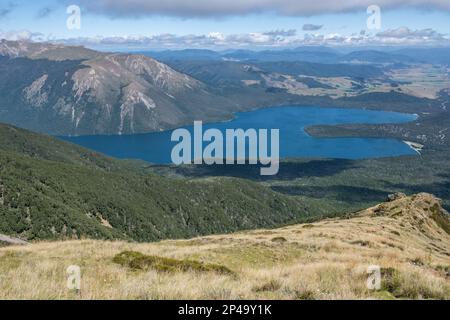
{"x":124,"y":69}
{"x":103,"y":72}
{"x":90,"y":92}
{"x":102,"y":64}
{"x":162,"y":75}
{"x":130,"y":80}
{"x":41,"y":50}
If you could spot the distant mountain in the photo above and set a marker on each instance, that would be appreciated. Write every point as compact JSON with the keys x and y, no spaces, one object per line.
{"x":188,"y":54}
{"x":428,"y":55}
{"x":373,"y":56}
{"x":37,"y":50}
{"x":307,"y":54}
{"x":322,"y":70}
{"x":51,"y":189}
{"x":62,"y":90}
{"x":315,"y":54}
{"x":231,"y":73}
{"x":219,"y":73}
{"x":76,"y":91}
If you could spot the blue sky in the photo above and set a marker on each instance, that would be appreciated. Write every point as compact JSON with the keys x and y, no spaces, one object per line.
{"x":48,"y":18}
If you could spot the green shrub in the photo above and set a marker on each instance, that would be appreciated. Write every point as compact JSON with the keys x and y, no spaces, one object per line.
{"x":391,"y":281}
{"x":279,"y":239}
{"x":272,"y":285}
{"x":138,"y":261}
{"x":402,"y":286}
{"x":305,"y":295}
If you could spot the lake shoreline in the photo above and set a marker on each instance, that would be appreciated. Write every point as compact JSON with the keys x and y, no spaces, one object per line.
{"x":417,"y":147}
{"x":295,"y":142}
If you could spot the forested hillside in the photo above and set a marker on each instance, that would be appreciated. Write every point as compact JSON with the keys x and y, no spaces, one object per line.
{"x":50,"y":189}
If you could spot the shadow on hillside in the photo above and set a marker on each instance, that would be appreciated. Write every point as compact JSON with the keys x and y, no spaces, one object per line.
{"x":341,"y":193}
{"x":287,"y":171}
{"x":439,"y":189}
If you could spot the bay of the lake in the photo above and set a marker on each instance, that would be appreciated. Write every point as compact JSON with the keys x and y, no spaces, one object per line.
{"x":294,"y":141}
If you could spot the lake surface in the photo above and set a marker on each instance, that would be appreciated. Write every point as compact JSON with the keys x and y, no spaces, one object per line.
{"x":294,"y":141}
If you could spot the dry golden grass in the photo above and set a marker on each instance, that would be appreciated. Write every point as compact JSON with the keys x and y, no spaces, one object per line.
{"x":324,"y":260}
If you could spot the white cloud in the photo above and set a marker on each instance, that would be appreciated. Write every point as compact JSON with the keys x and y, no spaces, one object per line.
{"x":21,"y":35}
{"x":400,"y":36}
{"x":269,"y":39}
{"x":220,"y":8}
{"x":213,"y":39}
{"x":217,"y":36}
{"x":405,"y":33}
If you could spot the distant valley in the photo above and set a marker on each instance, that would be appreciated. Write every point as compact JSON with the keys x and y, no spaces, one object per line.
{"x":73,"y":91}
{"x":225,"y":151}
{"x":55,"y":190}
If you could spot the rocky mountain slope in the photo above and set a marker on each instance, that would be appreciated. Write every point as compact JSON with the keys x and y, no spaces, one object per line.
{"x":66,"y":90}
{"x":76,"y":91}
{"x":38,"y":50}
{"x":408,"y":238}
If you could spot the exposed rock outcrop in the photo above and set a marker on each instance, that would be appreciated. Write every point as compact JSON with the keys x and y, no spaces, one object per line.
{"x":77,"y":91}
{"x":10,"y":241}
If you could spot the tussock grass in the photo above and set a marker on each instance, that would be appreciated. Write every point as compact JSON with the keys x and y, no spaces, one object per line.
{"x":279,"y":239}
{"x":272,"y":285}
{"x":315,"y":263}
{"x":139,"y":261}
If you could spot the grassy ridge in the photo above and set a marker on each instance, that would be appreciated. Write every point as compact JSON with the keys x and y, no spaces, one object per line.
{"x":51,"y":190}
{"x":322,"y":260}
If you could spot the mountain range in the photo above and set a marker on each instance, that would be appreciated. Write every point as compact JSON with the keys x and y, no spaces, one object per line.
{"x":314,"y":54}
{"x":63,"y":90}
{"x":71,"y":91}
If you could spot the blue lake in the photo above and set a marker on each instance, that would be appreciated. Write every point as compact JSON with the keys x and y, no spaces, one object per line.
{"x":294,"y":141}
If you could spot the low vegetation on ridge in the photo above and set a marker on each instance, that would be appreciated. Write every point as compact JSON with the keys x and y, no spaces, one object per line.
{"x":327,"y":260}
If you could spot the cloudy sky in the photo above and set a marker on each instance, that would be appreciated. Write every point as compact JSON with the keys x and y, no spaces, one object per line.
{"x":159,"y":24}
